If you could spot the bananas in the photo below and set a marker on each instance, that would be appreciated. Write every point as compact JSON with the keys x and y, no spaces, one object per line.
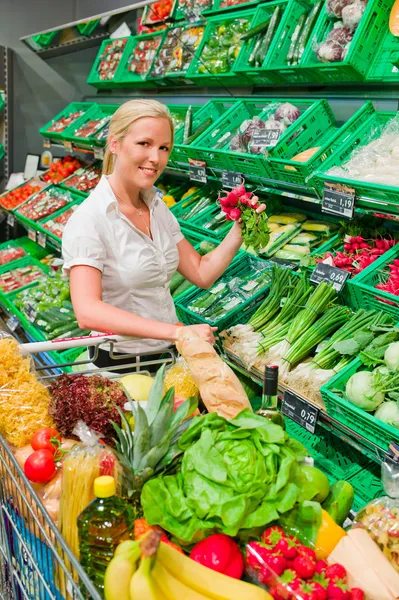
{"x":165,"y":574}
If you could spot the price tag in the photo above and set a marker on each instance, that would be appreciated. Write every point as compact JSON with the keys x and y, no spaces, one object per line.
{"x":68,"y":146}
{"x":324,"y":272}
{"x":99,"y":153}
{"x":32,"y":235}
{"x":230,"y":179}
{"x":265,"y":137}
{"x":41,"y":239}
{"x":46,"y":143}
{"x":198,"y":170}
{"x":300,"y":411}
{"x":393,"y":451}
{"x":338,"y":200}
{"x":12,"y":323}
{"x":10,"y":220}
{"x":30,"y":313}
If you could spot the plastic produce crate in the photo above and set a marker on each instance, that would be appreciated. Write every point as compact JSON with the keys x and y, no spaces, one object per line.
{"x":369,"y":127}
{"x":71,"y":108}
{"x":69,"y":196}
{"x":66,"y":183}
{"x":385,"y":66}
{"x":179,"y":111}
{"x":212,"y":32}
{"x":228,"y":5}
{"x":363,"y":47}
{"x":33,"y":181}
{"x":108,"y":62}
{"x":367,"y":485}
{"x":1,"y":103}
{"x":124,"y":77}
{"x":262,"y":14}
{"x":41,"y":224}
{"x":2,"y":152}
{"x":243,"y":311}
{"x":373,"y":430}
{"x":88,"y":27}
{"x":44,"y":39}
{"x":99,"y":111}
{"x":23,"y":262}
{"x":203,"y":121}
{"x":328,"y":138}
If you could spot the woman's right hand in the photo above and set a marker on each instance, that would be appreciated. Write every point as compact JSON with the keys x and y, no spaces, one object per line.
{"x":204,"y":331}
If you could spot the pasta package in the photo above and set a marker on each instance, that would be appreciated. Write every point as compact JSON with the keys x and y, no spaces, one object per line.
{"x":220,"y":389}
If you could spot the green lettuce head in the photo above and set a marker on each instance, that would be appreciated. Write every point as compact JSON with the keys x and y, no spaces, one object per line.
{"x":235,"y":475}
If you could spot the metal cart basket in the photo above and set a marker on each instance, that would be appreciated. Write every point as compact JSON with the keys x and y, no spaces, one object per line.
{"x":35,"y":561}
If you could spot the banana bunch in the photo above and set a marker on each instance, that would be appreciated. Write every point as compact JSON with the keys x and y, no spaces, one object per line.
{"x":165,"y":574}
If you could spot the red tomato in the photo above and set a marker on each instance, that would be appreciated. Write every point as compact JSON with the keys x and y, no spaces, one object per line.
{"x":41,"y":440}
{"x":39,"y":467}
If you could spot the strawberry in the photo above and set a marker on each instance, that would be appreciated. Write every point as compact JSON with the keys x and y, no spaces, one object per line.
{"x":260,"y":550}
{"x":305,"y":551}
{"x":288,"y":583}
{"x":336,"y":571}
{"x":338,"y":590}
{"x":287,"y":546}
{"x":357,"y":594}
{"x":274,"y":567}
{"x":266,"y":576}
{"x":272,"y":535}
{"x":321,"y":566}
{"x":306,"y":592}
{"x":321,"y":591}
{"x":275,"y":594}
{"x":304,"y":567}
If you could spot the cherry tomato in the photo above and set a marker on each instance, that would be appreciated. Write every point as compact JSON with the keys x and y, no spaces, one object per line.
{"x":39,"y":467}
{"x":41,"y":440}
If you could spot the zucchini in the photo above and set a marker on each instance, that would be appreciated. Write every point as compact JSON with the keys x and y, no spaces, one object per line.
{"x":254,"y":53}
{"x":187,"y":125}
{"x":295,"y":37}
{"x":77,"y":332}
{"x":182,"y":288}
{"x":203,"y":127}
{"x":271,"y":30}
{"x":256,"y":30}
{"x":64,"y":329}
{"x":175,"y":282}
{"x":305,"y":35}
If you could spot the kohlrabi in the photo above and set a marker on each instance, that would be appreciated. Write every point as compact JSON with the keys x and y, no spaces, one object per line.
{"x":361,"y":391}
{"x":391,"y":356}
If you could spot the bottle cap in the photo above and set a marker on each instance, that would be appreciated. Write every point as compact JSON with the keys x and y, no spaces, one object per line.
{"x":104,"y":486}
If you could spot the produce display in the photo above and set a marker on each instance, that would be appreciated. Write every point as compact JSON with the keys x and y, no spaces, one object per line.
{"x":19,"y":277}
{"x":302,"y":33}
{"x":56,"y":226}
{"x":85,"y":181}
{"x":194,"y":7}
{"x":110,"y":59}
{"x":62,"y":168}
{"x":220,"y":51}
{"x":45,"y":203}
{"x":143,"y":54}
{"x":177,"y":51}
{"x":10,"y":253}
{"x":346,"y":16}
{"x":158,"y":11}
{"x":18,"y":195}
{"x":59,"y":125}
{"x":262,"y":36}
{"x":91,"y":127}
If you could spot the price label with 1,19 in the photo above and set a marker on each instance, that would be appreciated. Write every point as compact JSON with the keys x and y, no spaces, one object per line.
{"x":338,"y":200}
{"x":231,"y":179}
{"x":300,"y":411}
{"x":197,"y":170}
{"x":324,"y":272}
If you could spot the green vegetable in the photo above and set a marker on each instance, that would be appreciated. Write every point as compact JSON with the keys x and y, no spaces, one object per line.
{"x":187,"y":125}
{"x":235,"y":476}
{"x":339,"y":501}
{"x":175,"y":282}
{"x":203,"y":127}
{"x":313,"y":484}
{"x":265,"y":45}
{"x":388,"y":412}
{"x":256,"y":30}
{"x":306,"y":32}
{"x":391,"y":356}
{"x":362,"y":390}
{"x":183,"y":287}
{"x":295,"y":37}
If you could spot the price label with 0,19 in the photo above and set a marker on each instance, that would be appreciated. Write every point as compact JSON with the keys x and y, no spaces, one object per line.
{"x":300,"y":411}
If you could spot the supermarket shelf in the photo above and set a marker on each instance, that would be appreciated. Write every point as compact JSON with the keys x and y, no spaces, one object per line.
{"x":345,"y":434}
{"x":76,"y":45}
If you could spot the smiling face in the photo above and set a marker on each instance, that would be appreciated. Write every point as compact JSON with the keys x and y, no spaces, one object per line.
{"x":143,"y":153}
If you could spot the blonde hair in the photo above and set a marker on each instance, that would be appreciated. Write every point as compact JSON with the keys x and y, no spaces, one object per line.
{"x":128,"y":113}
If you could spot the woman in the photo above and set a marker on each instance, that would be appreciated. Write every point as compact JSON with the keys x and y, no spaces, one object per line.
{"x":122,"y":245}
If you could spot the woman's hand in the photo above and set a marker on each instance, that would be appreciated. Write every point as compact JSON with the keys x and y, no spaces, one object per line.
{"x":204,"y":331}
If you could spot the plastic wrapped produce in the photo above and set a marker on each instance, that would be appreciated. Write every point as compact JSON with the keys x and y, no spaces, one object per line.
{"x":329,"y":51}
{"x":110,"y":59}
{"x":335,"y":7}
{"x":287,"y":113}
{"x":352,"y":14}
{"x":340,"y":33}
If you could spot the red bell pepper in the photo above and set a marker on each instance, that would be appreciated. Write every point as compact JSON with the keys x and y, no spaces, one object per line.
{"x":220,"y":553}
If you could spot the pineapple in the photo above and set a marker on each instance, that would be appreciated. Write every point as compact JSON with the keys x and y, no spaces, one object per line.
{"x":153,"y":445}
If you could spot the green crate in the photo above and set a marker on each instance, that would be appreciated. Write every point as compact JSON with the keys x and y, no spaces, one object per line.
{"x":94,"y":78}
{"x":64,"y":183}
{"x":87,"y":27}
{"x":44,"y":39}
{"x":124,"y":77}
{"x":41,"y":223}
{"x":10,"y":309}
{"x":209,"y":113}
{"x":22,"y":262}
{"x":365,"y":424}
{"x":242,"y":312}
{"x":71,"y":108}
{"x":35,"y":224}
{"x":29,"y":247}
{"x":367,"y":485}
{"x":370,"y":125}
{"x":2,"y":152}
{"x":99,"y":111}
{"x":211,"y":32}
{"x":179,"y":111}
{"x":263,"y":12}
{"x":198,"y":224}
{"x":362,"y":49}
{"x":1,"y":102}
{"x":226,"y":125}
{"x":385,"y":66}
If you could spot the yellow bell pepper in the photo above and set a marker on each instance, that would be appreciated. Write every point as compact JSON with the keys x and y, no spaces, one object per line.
{"x":328,"y":536}
{"x":169,"y":200}
{"x":192,"y":190}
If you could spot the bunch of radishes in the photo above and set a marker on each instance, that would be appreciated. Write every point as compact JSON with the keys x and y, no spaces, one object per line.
{"x":392,"y":283}
{"x":358,"y":253}
{"x":240,"y":205}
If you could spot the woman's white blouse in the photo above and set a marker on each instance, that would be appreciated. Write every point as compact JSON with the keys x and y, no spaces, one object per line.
{"x":136,"y":271}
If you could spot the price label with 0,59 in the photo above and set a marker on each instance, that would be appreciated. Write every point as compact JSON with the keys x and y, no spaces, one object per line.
{"x":324,"y":272}
{"x":300,"y":411}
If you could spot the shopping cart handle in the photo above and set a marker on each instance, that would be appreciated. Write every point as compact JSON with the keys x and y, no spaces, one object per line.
{"x":68,"y":343}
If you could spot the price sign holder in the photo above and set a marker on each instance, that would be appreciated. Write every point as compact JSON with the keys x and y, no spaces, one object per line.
{"x":99,"y":153}
{"x":300,"y":411}
{"x":32,"y":235}
{"x":30,"y":313}
{"x":231,"y":179}
{"x":68,"y":146}
{"x":12,"y":323}
{"x":324,"y":272}
{"x":197,"y":170}
{"x":338,"y":200}
{"x":10,"y":220}
{"x":266,"y":138}
{"x":41,"y":239}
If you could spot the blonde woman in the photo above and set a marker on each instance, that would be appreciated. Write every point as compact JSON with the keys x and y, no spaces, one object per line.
{"x":123,"y":245}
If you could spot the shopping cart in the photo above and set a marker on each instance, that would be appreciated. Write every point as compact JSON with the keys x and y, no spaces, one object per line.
{"x":35,"y":561}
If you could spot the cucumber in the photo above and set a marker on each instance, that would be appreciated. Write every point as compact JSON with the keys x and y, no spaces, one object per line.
{"x":339,"y":501}
{"x":64,"y":329}
{"x":207,"y":246}
{"x":187,"y":125}
{"x":305,"y":35}
{"x":176,"y":280}
{"x":256,"y":30}
{"x":255,"y":50}
{"x":264,"y":47}
{"x":77,"y":332}
{"x":182,"y":288}
{"x":199,"y":130}
{"x":295,"y":37}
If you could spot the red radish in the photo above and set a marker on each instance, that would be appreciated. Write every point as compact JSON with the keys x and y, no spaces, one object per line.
{"x":235,"y":214}
{"x":224,"y":201}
